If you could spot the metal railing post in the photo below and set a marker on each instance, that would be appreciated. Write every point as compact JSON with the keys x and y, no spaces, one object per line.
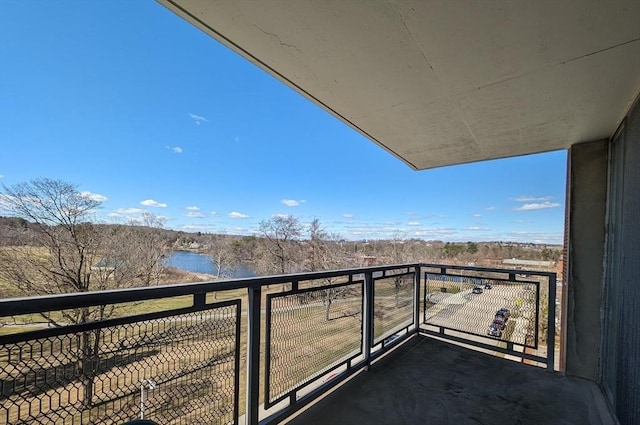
{"x":253,"y":354}
{"x":416,"y":300}
{"x":551,"y":325}
{"x":367,"y":317}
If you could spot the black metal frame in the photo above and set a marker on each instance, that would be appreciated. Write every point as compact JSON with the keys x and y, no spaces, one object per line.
{"x":482,"y":335}
{"x":370,"y":347}
{"x":199,"y":305}
{"x":90,"y":326}
{"x":373,"y":340}
{"x":549,"y":360}
{"x":37,"y":304}
{"x":291,"y":394}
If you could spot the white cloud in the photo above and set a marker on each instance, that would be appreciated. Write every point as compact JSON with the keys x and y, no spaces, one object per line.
{"x":213,"y":213}
{"x":192,"y":208}
{"x":476,"y":228}
{"x":236,"y":214}
{"x":194,"y":214}
{"x":175,"y":149}
{"x":1,"y":176}
{"x":140,"y":217}
{"x":396,"y":230}
{"x":533,"y":198}
{"x":152,"y":203}
{"x":347,"y":215}
{"x":477,"y":215}
{"x":534,"y":237}
{"x":280,"y":215}
{"x":5,"y":202}
{"x":198,"y":227}
{"x":536,"y":206}
{"x":94,"y":196}
{"x":435,"y":216}
{"x":197,"y":118}
{"x":413,"y":223}
{"x":290,"y":202}
{"x":129,"y":211}
{"x":435,"y":232}
{"x":490,"y":208}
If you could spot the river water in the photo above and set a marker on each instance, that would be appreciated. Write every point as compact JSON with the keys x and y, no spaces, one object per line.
{"x":198,"y":263}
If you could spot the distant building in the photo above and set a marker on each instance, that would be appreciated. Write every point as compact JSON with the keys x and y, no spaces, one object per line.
{"x":527,"y":263}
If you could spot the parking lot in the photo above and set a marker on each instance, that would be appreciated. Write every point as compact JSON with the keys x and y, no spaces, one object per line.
{"x":473,"y":313}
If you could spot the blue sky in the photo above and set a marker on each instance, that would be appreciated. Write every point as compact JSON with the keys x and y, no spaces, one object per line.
{"x":141,"y":109}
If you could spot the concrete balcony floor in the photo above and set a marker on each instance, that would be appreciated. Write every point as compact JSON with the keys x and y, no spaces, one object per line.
{"x":426,"y":381}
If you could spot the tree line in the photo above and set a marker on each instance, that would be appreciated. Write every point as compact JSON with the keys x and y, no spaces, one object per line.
{"x":52,"y":243}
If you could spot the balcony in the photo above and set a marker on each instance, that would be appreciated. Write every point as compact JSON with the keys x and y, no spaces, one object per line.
{"x":393,"y":344}
{"x":433,"y":382}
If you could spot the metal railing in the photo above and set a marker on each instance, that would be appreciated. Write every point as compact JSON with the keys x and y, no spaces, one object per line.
{"x":508,"y":311}
{"x":299,"y":335}
{"x":93,"y":372}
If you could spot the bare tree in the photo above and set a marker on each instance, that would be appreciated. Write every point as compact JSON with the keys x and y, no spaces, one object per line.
{"x":221,"y":251}
{"x":325,"y":252}
{"x":146,"y":245}
{"x":318,"y":250}
{"x":66,"y":242}
{"x":398,"y":252}
{"x":245,"y":249}
{"x":281,"y":235}
{"x":70,"y":254}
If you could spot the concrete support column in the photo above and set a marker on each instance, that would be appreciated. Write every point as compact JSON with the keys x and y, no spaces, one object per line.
{"x":587,"y":194}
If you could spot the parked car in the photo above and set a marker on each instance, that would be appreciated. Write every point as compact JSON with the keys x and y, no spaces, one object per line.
{"x":487,"y":286}
{"x":494,"y":330}
{"x":477,"y":290}
{"x":505,"y":312}
{"x":500,"y":321}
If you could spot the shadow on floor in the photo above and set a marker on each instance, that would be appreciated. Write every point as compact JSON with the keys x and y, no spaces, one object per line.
{"x":427,"y":381}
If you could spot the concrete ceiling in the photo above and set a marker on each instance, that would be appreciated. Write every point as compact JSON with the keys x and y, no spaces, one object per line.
{"x":445,"y":82}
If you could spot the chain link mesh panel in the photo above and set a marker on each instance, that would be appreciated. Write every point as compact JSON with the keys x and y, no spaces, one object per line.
{"x":393,"y":304}
{"x":95,"y":376}
{"x":499,"y":309}
{"x":309,"y":332}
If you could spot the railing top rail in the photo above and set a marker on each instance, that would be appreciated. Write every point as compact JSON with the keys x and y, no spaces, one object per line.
{"x":36,"y":304}
{"x":490,"y":269}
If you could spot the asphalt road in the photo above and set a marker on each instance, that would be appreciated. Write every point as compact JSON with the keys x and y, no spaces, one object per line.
{"x":474,"y":313}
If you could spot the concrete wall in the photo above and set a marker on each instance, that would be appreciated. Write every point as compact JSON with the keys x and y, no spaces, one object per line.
{"x":603,"y":253}
{"x":588,"y":166}
{"x":627,"y":392}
